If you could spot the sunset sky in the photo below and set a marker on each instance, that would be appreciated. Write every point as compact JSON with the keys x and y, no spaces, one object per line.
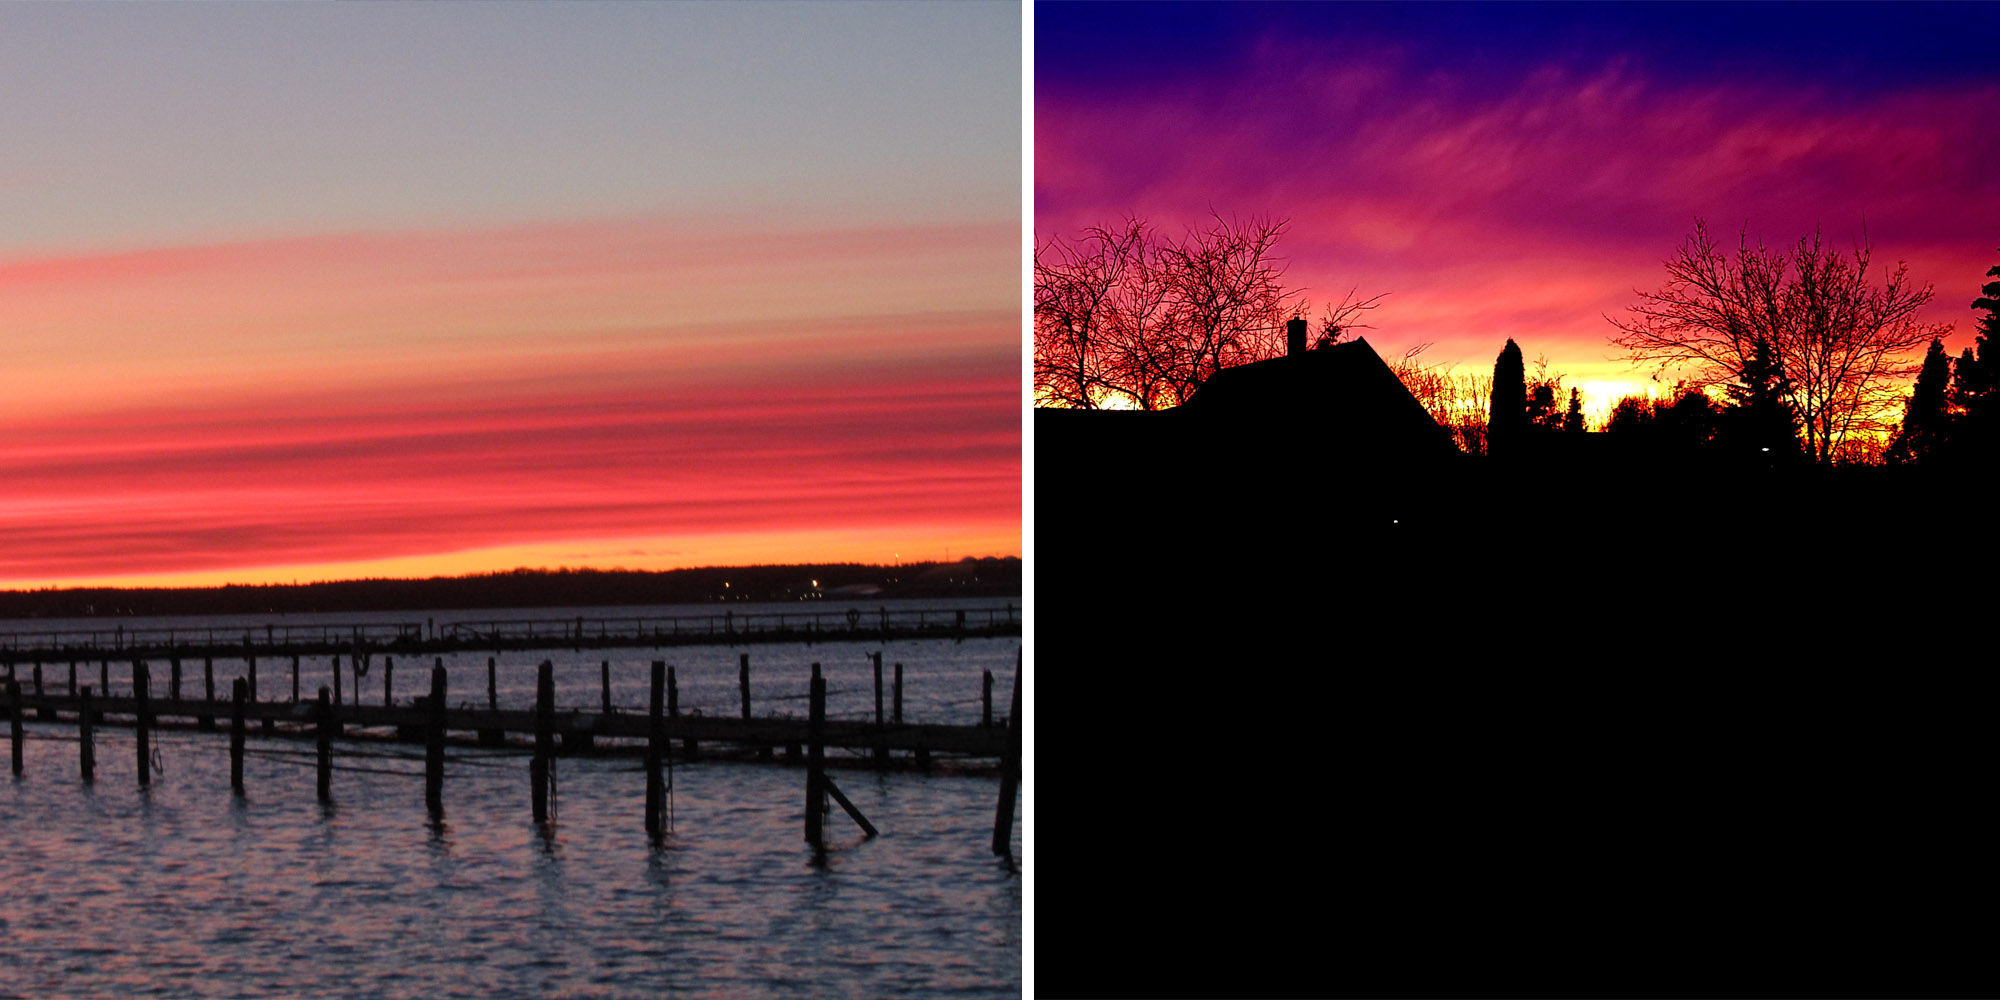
{"x":327,"y":290}
{"x":1519,"y":170}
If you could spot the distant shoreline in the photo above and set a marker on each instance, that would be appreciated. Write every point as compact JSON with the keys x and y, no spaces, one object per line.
{"x":524,"y":588}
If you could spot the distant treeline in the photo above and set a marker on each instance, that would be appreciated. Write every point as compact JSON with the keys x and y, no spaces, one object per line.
{"x":524,"y":588}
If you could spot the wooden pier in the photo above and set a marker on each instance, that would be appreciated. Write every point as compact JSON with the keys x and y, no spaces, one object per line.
{"x":433,"y":721}
{"x":423,"y":638}
{"x":575,"y":731}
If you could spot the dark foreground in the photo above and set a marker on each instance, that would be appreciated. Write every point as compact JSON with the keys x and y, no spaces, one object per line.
{"x":1498,"y":753}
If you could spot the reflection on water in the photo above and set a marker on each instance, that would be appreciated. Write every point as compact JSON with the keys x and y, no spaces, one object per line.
{"x":182,"y":889}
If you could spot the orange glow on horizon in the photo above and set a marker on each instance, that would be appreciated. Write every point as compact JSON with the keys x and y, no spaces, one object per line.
{"x":884,"y":546}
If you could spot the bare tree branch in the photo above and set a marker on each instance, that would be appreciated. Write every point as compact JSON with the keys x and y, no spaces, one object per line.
{"x":1845,"y":346}
{"x":1127,"y":317}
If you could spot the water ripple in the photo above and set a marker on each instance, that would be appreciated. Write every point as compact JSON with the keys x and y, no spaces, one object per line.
{"x":184,"y":890}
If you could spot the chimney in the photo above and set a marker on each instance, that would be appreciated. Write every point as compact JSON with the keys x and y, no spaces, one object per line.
{"x":1295,"y":337}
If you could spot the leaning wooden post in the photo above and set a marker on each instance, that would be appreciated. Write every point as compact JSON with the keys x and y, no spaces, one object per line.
{"x":545,"y":719}
{"x":815,"y":761}
{"x":847,"y":806}
{"x":1010,"y":775}
{"x":14,"y":720}
{"x":986,"y":699}
{"x":238,"y":692}
{"x":881,"y":749}
{"x":434,"y":743}
{"x":142,"y":683}
{"x":656,"y":742}
{"x":605,"y":669}
{"x":86,"y":746}
{"x":326,"y":744}
{"x":206,"y":720}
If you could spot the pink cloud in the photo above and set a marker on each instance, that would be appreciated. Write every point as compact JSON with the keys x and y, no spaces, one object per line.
{"x":356,"y":398}
{"x":1529,"y":211}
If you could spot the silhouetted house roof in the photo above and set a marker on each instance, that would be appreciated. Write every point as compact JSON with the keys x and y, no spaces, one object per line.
{"x":1339,"y":400}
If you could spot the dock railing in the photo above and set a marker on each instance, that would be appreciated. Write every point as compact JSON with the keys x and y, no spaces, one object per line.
{"x":910,"y":623}
{"x":120,"y":639}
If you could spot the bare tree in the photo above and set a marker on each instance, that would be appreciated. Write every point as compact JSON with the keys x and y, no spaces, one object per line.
{"x":1843,"y":343}
{"x":1127,"y":317}
{"x":1337,"y":323}
{"x":1456,"y":401}
{"x":1083,"y":297}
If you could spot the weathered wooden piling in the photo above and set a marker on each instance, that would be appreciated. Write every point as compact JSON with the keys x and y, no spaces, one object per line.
{"x":545,"y":725}
{"x":206,"y":721}
{"x":881,"y":752}
{"x":896,"y":713}
{"x":816,"y":762}
{"x":388,"y":682}
{"x":875,"y":658}
{"x":142,"y":682}
{"x":174,"y":683}
{"x":434,"y":743}
{"x":986,"y":699}
{"x":656,"y":744}
{"x":1010,"y":775}
{"x":14,"y":720}
{"x":86,"y":748}
{"x":492,"y":686}
{"x":743,"y":681}
{"x":820,"y":786}
{"x":606,"y":673}
{"x":239,"y":691}
{"x":42,"y":708}
{"x":325,"y":715}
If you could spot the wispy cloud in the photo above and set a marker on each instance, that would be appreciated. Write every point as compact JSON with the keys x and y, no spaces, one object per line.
{"x":1527,"y":204}
{"x":364,"y":397}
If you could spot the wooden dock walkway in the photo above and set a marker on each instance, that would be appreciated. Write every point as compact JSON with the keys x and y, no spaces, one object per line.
{"x":575,"y":730}
{"x":430,"y":720}
{"x":414,"y":638}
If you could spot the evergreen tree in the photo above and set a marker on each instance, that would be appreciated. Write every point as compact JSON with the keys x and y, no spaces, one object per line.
{"x":1926,"y":420}
{"x":1573,"y":420}
{"x":1975,"y":390}
{"x":1760,"y":427}
{"x":1507,"y":411}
